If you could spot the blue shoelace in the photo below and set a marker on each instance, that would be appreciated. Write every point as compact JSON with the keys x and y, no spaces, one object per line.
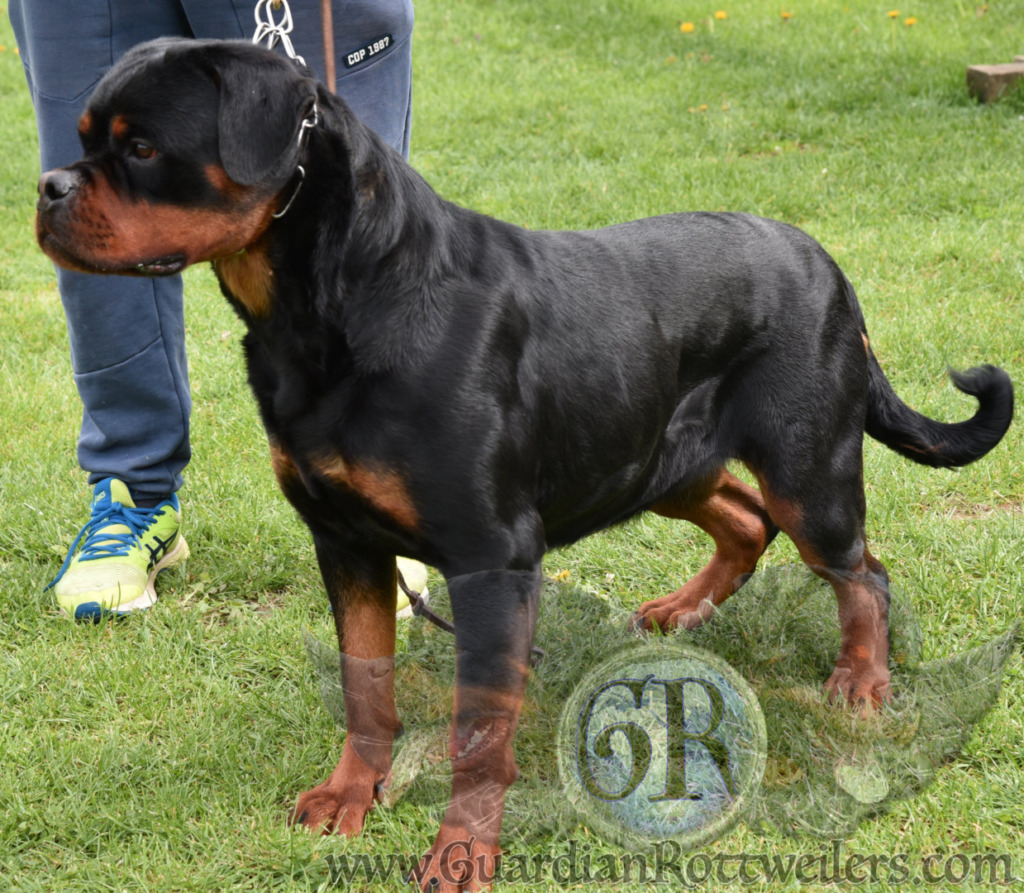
{"x":101,"y":544}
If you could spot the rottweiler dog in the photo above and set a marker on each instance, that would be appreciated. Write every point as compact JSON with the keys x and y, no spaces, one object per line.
{"x":443,"y":385}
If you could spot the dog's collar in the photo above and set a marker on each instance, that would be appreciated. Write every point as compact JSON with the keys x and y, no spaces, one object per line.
{"x":307,"y":125}
{"x":301,"y":171}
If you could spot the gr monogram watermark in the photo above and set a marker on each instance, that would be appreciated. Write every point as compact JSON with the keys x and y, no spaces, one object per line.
{"x":662,"y":742}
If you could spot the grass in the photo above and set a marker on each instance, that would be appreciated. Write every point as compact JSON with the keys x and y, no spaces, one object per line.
{"x":162,"y":754}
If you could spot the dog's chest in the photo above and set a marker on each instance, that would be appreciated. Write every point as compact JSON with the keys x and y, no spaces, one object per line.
{"x":249,"y":278}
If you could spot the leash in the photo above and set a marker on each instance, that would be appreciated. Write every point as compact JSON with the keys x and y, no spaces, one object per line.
{"x":272,"y":30}
{"x":420,"y":609}
{"x":327,"y":21}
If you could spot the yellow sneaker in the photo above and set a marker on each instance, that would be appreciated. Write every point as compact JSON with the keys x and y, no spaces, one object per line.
{"x":123,"y":549}
{"x":415,"y":575}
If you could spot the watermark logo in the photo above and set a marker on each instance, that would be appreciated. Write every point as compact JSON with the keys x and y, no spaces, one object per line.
{"x":662,"y":741}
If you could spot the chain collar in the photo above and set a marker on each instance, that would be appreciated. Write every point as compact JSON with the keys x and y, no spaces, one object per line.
{"x":307,"y":125}
{"x":274,"y":31}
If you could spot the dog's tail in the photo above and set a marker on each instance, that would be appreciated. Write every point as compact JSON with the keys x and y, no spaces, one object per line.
{"x":892,"y":422}
{"x":928,"y":442}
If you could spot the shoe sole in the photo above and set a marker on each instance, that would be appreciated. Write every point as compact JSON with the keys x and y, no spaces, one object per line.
{"x":94,"y":611}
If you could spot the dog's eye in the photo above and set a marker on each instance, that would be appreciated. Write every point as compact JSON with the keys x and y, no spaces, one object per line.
{"x":143,"y":150}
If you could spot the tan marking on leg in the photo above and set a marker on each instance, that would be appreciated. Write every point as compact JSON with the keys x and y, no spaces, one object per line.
{"x":365,"y":620}
{"x":861,"y":673}
{"x":787,"y":514}
{"x":464,"y":854}
{"x":340,"y":805}
{"x":735,"y":517}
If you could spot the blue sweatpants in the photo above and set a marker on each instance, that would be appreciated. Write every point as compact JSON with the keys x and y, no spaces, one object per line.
{"x":127,"y":335}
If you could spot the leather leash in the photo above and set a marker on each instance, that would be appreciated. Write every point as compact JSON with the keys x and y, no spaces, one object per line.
{"x":420,"y":609}
{"x":327,"y":21}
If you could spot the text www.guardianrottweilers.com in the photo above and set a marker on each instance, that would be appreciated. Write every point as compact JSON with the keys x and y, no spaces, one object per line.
{"x":668,"y":864}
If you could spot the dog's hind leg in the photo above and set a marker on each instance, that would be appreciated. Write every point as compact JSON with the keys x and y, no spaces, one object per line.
{"x":825,"y":519}
{"x":363,"y":591}
{"x":735,"y":517}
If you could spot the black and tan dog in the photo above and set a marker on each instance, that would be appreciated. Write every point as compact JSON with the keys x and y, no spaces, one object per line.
{"x":442,"y":385}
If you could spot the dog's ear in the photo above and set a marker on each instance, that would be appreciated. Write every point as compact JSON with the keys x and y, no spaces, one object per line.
{"x":263,"y":103}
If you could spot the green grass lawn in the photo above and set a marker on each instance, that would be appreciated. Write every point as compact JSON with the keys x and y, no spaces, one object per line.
{"x":163,"y":753}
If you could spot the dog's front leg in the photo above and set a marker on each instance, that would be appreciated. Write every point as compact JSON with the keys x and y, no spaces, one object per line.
{"x":495,"y":616}
{"x":362,"y":590}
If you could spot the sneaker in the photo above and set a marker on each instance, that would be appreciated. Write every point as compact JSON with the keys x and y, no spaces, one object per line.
{"x":415,"y":575}
{"x":123,"y":549}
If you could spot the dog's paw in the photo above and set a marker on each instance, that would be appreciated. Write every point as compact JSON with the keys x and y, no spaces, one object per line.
{"x":340,"y":805}
{"x":326,"y":810}
{"x":671,"y":612}
{"x":864,"y":687}
{"x":457,"y":862}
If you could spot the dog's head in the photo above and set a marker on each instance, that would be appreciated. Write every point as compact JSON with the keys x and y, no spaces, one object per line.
{"x":188,"y":149}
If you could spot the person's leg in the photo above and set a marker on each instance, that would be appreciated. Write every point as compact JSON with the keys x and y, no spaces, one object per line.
{"x":373,"y":53}
{"x":127,"y":335}
{"x":372,"y":47}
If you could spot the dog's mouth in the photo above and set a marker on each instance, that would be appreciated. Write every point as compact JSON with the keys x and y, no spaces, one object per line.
{"x":162,"y":266}
{"x":59,"y":252}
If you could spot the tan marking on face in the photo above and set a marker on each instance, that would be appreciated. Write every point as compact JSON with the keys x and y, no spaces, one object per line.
{"x":99,"y":230}
{"x":867,"y":344}
{"x":119,"y":127}
{"x":219,"y":179}
{"x":382,"y":488}
{"x":85,"y":124}
{"x":249,"y":277}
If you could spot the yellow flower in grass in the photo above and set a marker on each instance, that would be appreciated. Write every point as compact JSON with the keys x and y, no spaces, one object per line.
{"x":911,"y":21}
{"x":721,"y":14}
{"x":687,"y":27}
{"x":893,"y":13}
{"x":786,"y":16}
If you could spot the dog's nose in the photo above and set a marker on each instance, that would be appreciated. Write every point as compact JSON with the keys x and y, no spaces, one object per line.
{"x":56,"y":185}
